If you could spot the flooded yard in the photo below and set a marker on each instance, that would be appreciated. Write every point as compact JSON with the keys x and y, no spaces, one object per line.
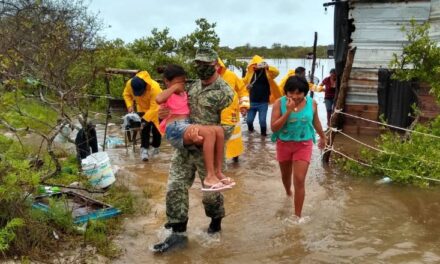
{"x":348,"y":219}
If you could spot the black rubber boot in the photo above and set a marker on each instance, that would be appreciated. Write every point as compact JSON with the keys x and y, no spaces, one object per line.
{"x":177,"y":227}
{"x":174,"y":241}
{"x":263,"y":131}
{"x":215,"y":225}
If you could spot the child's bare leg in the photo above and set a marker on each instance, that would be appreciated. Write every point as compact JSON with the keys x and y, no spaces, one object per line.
{"x":208,"y":145}
{"x":219,"y":151}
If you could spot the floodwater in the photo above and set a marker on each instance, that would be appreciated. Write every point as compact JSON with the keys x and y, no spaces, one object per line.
{"x":347,"y":219}
{"x":322,"y":67}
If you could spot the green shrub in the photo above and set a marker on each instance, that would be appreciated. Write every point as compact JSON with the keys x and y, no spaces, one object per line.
{"x":413,"y":161}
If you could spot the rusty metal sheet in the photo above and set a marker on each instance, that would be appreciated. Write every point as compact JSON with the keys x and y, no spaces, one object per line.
{"x":378,"y":32}
{"x":434,"y":20}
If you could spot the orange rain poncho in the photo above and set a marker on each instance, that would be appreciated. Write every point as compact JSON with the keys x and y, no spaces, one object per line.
{"x":147,"y":101}
{"x":231,"y":115}
{"x":271,"y":74}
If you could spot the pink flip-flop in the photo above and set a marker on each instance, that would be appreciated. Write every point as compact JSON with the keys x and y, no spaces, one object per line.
{"x":226,"y":180}
{"x":218,"y":187}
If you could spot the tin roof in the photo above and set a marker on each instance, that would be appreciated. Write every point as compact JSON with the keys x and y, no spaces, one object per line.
{"x":434,"y":20}
{"x":378,"y":35}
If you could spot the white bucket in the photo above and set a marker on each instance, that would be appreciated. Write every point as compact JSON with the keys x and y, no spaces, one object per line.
{"x":98,"y":169}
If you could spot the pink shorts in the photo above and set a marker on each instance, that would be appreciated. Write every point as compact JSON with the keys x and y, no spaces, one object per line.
{"x":294,"y":150}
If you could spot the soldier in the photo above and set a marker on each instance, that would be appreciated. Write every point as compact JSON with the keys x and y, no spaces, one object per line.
{"x":207,"y":98}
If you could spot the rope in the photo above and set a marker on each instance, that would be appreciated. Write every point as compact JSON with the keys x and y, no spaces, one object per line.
{"x":96,"y":96}
{"x":339,"y":111}
{"x":382,"y":168}
{"x":381,"y":150}
{"x":360,"y":142}
{"x":326,"y":149}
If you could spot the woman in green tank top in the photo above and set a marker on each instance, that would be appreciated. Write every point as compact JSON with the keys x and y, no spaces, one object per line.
{"x":294,"y":121}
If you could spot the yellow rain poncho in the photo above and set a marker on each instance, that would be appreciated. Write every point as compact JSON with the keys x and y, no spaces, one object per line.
{"x":312,"y":87}
{"x":147,"y":101}
{"x":271,"y":74}
{"x":231,"y":115}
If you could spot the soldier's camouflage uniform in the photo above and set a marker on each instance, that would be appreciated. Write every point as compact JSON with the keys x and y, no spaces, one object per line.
{"x":206,"y":104}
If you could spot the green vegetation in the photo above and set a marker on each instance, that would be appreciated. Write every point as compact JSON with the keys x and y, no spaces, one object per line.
{"x":48,"y":60}
{"x":27,"y":232}
{"x":100,"y":234}
{"x":52,"y":62}
{"x":7,"y":234}
{"x":420,"y":59}
{"x":414,"y":160}
{"x":277,"y":51}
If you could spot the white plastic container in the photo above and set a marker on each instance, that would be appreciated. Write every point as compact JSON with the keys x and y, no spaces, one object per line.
{"x":98,"y":169}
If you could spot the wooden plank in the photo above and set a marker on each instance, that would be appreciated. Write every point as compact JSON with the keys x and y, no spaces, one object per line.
{"x":336,"y":119}
{"x":363,"y":82}
{"x":121,"y":71}
{"x":370,"y":114}
{"x":361,"y":131}
{"x":364,"y":75}
{"x":359,"y":108}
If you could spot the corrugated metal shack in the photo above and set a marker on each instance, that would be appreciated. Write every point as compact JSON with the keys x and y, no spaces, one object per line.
{"x":374,"y":27}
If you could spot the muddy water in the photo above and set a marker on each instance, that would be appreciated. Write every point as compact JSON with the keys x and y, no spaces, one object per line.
{"x":348,"y":219}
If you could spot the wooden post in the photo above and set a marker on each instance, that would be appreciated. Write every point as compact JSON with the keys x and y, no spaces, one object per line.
{"x":107,"y":85}
{"x":340,"y":101}
{"x":312,"y":75}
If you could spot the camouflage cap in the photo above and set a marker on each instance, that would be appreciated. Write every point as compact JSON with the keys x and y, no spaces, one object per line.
{"x":206,"y":55}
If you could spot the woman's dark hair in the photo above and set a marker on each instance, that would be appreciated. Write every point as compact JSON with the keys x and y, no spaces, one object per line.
{"x":171,"y":71}
{"x":300,"y":70}
{"x":295,"y":83}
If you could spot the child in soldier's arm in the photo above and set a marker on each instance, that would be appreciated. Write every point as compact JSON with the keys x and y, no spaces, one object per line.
{"x":177,"y":126}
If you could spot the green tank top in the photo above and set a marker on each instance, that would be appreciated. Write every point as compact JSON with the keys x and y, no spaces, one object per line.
{"x":299,"y":125}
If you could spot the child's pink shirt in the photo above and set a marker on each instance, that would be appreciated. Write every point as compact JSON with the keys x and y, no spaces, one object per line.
{"x":178,"y":105}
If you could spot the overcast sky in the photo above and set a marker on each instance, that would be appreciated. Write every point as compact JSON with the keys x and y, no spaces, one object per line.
{"x":257,"y":22}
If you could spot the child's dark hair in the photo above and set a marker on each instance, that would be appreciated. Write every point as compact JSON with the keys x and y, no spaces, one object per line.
{"x":295,"y":83}
{"x":171,"y":71}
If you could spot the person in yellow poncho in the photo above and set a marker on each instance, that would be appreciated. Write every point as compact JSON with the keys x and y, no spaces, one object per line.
{"x":142,"y":90}
{"x":263,"y":90}
{"x":231,"y":115}
{"x":300,"y":72}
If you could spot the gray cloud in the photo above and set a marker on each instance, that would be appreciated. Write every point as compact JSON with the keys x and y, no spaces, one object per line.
{"x":258,"y":22}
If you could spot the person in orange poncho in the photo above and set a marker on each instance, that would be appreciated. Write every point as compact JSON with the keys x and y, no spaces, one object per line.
{"x":263,"y":90}
{"x":230,"y":116}
{"x":143,"y":90}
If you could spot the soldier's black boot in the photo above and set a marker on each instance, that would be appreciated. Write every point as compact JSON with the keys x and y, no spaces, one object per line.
{"x":176,"y":240}
{"x":215,"y":225}
{"x":177,"y":227}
